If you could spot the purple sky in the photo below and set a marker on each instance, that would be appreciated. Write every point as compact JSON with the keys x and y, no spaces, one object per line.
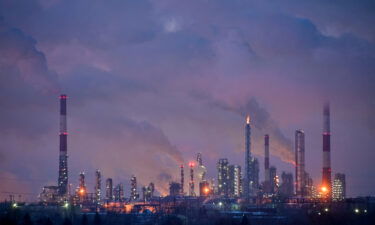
{"x":153,"y":82}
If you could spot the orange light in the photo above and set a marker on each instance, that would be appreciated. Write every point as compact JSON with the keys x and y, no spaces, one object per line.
{"x":82,"y":191}
{"x":324,"y":189}
{"x":248,"y":119}
{"x":206,"y":190}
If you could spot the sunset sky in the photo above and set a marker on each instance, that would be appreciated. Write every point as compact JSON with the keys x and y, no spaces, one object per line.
{"x":153,"y":82}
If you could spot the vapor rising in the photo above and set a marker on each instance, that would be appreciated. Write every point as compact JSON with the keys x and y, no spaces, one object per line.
{"x":261,"y":120}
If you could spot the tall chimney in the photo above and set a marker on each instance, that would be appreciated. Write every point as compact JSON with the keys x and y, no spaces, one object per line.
{"x":191,"y":184}
{"x":182,"y":179}
{"x":247,"y":179}
{"x":63,"y":159}
{"x":300,"y":163}
{"x":326,"y":178}
{"x":267,"y":158}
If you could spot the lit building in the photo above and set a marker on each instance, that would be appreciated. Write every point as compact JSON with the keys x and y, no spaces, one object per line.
{"x":273,"y":180}
{"x":204,"y":188}
{"x":81,"y":190}
{"x":300,"y":163}
{"x":151,"y":188}
{"x":286,"y":187}
{"x":109,"y":189}
{"x":309,"y":186}
{"x":50,"y":194}
{"x":234,"y":181}
{"x":98,"y":181}
{"x":201,"y":170}
{"x":191,"y":182}
{"x":339,"y":187}
{"x":133,"y":191}
{"x":119,"y":192}
{"x":148,"y":192}
{"x":223,"y":177}
{"x":174,"y":189}
{"x":254,"y":178}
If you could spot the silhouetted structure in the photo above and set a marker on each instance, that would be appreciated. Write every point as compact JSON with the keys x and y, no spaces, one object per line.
{"x":300,"y":163}
{"x":63,"y":159}
{"x":222,"y":177}
{"x":326,"y":176}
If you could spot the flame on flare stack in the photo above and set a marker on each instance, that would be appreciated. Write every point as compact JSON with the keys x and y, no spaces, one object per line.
{"x":247,"y":119}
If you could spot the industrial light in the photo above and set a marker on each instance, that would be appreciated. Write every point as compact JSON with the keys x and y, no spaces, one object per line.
{"x":356,"y":211}
{"x":326,"y":209}
{"x":14,"y":205}
{"x":220,"y":203}
{"x":66,"y":205}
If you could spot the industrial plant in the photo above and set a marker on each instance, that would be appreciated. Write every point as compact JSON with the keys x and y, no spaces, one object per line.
{"x":236,"y":193}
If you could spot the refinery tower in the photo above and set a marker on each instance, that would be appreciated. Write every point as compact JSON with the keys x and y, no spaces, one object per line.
{"x":247,"y":158}
{"x":63,"y":159}
{"x":326,"y":176}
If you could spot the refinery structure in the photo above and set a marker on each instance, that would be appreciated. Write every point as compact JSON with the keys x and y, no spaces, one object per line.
{"x":236,"y":191}
{"x":232,"y":182}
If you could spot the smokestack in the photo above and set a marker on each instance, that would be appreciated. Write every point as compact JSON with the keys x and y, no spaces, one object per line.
{"x":247,"y":158}
{"x":63,"y":158}
{"x":182,"y":179}
{"x":326,"y":178}
{"x":267,"y":158}
{"x":300,"y":162}
{"x":191,"y":184}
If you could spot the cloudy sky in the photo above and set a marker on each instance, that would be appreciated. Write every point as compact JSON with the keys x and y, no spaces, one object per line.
{"x":153,"y":82}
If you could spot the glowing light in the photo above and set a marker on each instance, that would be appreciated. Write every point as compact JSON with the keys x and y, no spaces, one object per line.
{"x":326,"y":209}
{"x":191,"y":164}
{"x":66,"y":205}
{"x":365,"y":211}
{"x":247,"y":119}
{"x":82,"y":191}
{"x":324,"y":189}
{"x":14,"y":205}
{"x":220,"y":203}
{"x":206,"y":190}
{"x":356,"y":211}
